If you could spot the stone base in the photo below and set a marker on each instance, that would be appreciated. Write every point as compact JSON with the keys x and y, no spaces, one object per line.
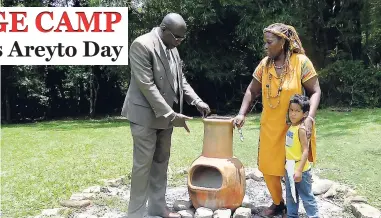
{"x":112,"y":201}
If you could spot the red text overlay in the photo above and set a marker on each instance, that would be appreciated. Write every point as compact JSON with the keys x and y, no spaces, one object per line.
{"x":63,"y":36}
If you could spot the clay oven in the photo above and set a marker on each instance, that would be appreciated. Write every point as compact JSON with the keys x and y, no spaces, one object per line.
{"x":216,"y":179}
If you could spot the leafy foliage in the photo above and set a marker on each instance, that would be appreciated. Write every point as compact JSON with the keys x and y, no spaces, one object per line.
{"x":224,"y":44}
{"x":351,"y":83}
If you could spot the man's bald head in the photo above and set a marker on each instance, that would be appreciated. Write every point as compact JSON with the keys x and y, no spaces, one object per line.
{"x":173,"y":22}
{"x":173,"y":30}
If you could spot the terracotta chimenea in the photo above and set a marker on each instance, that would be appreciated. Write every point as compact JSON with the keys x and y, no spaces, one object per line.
{"x":216,"y":179}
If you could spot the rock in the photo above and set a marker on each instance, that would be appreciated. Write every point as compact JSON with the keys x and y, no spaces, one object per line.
{"x":125,"y":195}
{"x":76,"y":204}
{"x":350,"y":192}
{"x":254,"y":174}
{"x":112,"y":191}
{"x":247,"y":203}
{"x":82,"y":196}
{"x":105,"y":190}
{"x":314,"y":177}
{"x":186,"y":213}
{"x":86,"y":215}
{"x":222,"y":213}
{"x":203,"y":212}
{"x":114,"y":215}
{"x":337,"y":189}
{"x":115,"y":182}
{"x":359,"y":199}
{"x":182,"y":204}
{"x":321,"y":186}
{"x":92,"y":189}
{"x":362,"y":210}
{"x":242,"y":212}
{"x":355,"y":199}
{"x":332,"y":192}
{"x":53,"y":212}
{"x":257,"y":198}
{"x":348,"y":201}
{"x":342,"y":188}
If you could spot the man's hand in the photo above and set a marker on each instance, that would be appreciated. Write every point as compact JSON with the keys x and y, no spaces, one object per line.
{"x":203,"y":108}
{"x":178,"y":120}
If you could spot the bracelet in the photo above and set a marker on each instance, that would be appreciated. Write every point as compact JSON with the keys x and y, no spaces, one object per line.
{"x":313,"y":120}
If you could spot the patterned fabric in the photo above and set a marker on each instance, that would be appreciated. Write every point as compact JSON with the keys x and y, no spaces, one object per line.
{"x":307,"y":69}
{"x":288,"y":33}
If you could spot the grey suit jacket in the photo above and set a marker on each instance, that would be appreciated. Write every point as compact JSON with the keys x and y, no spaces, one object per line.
{"x":151,"y":91}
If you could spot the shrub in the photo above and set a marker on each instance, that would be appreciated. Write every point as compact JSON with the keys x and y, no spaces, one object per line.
{"x":350,"y":83}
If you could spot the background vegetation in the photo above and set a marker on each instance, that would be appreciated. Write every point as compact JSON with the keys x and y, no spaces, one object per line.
{"x":223,"y":46}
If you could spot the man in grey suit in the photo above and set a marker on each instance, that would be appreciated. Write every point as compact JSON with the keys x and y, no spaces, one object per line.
{"x":154,"y":105}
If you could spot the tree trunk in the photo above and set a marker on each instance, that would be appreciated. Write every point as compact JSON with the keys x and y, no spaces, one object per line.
{"x":91,"y":89}
{"x":7,"y":106}
{"x":94,"y":87}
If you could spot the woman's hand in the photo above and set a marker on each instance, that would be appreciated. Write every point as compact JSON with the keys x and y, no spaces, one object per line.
{"x":308,"y":122}
{"x":251,"y":93}
{"x":239,"y":120}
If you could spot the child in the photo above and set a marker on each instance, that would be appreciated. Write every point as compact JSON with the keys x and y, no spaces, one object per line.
{"x":297,"y":166}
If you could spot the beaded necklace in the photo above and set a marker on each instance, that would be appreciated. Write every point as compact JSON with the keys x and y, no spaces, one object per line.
{"x":276,"y":67}
{"x":282,"y":80}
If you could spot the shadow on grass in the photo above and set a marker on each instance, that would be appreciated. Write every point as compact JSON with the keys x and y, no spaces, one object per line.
{"x":75,"y":124}
{"x":251,"y":127}
{"x":374,"y":151}
{"x":345,"y":123}
{"x":333,"y":123}
{"x":329,"y":123}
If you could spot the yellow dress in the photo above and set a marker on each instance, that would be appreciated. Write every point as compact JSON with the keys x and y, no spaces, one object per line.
{"x":273,"y":126}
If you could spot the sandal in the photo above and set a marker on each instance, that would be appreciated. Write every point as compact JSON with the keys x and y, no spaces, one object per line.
{"x":274,"y":210}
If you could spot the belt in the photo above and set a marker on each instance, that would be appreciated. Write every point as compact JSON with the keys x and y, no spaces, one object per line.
{"x":293,"y":160}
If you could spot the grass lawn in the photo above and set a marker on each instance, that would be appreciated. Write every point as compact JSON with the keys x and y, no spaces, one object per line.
{"x":44,"y":163}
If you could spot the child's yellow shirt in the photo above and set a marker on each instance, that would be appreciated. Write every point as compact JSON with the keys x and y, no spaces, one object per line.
{"x":294,"y":148}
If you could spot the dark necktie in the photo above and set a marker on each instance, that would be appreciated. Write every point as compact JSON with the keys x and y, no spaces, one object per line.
{"x":168,"y":55}
{"x":173,"y":69}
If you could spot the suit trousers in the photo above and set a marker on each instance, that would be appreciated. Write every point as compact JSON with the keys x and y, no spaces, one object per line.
{"x":151,"y":152}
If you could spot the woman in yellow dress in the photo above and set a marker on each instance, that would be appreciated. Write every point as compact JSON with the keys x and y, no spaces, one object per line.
{"x":285,"y":71}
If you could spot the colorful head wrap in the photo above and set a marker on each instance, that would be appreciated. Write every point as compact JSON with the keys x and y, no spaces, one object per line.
{"x":289,"y":33}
